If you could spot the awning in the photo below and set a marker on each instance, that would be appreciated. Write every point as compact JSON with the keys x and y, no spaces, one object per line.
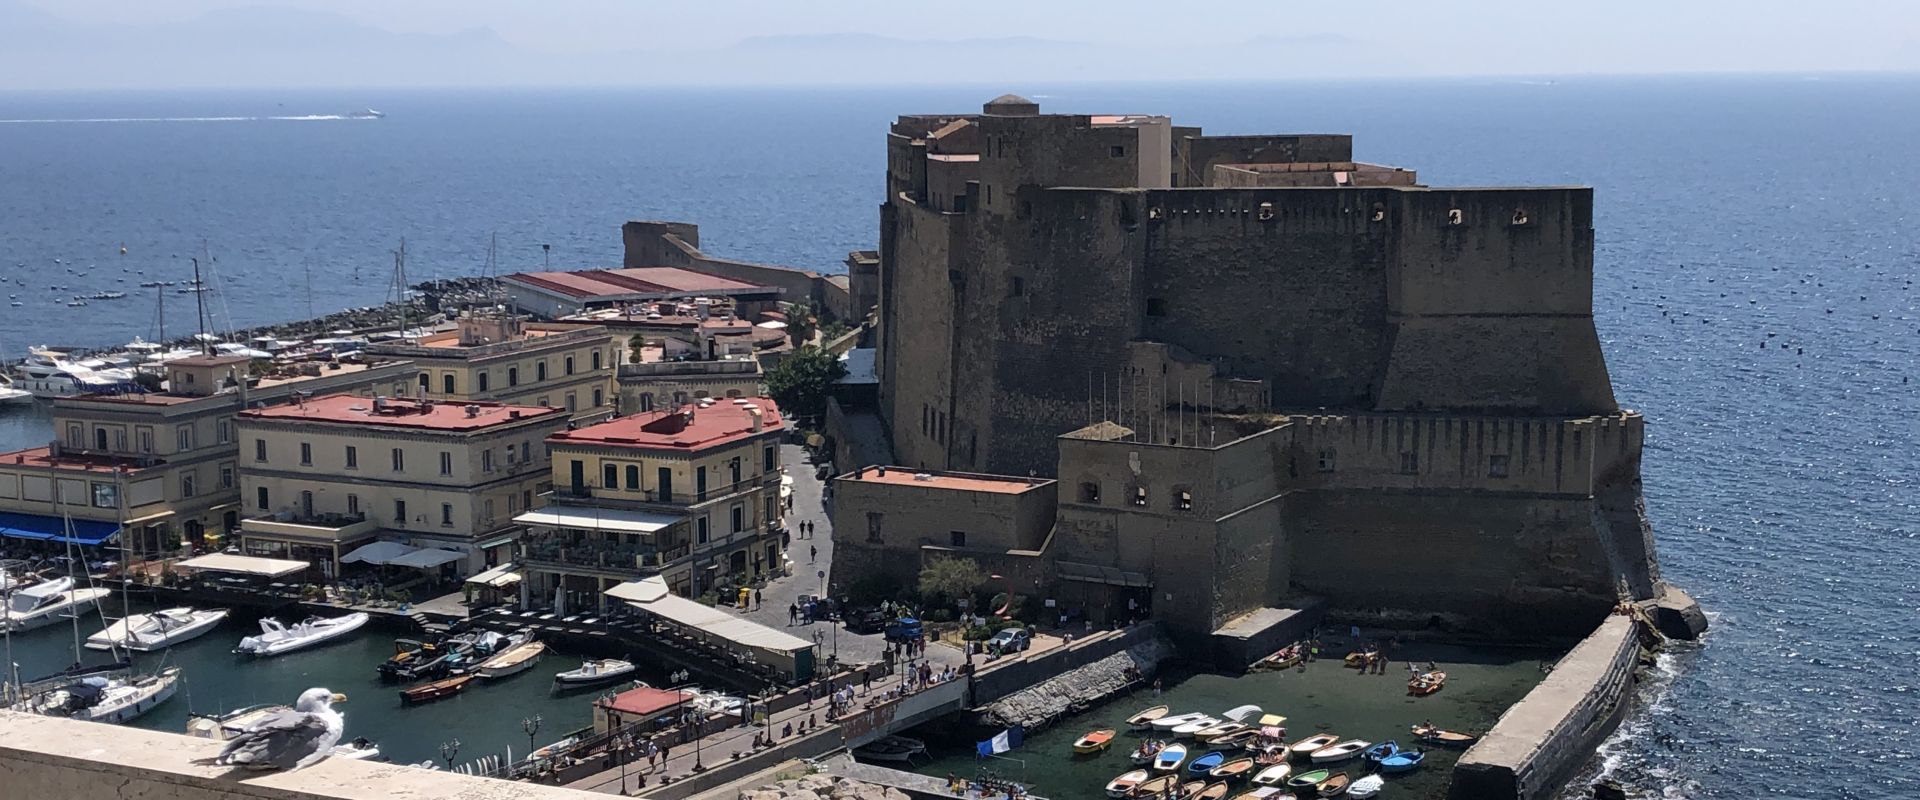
{"x":376,"y":553}
{"x":496,"y":542}
{"x":427,"y":558}
{"x":599,"y":519}
{"x":498,"y":577}
{"x":247,"y":565}
{"x":1095,"y":573}
{"x":651,"y":595}
{"x":35,"y":526}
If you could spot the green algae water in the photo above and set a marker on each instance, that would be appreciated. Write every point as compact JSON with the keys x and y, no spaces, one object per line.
{"x":1324,"y":698}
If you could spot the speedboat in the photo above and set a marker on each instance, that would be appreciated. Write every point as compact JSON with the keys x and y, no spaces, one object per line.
{"x":49,"y":373}
{"x":1145,"y":719}
{"x":1204,"y":764}
{"x":1443,"y":738}
{"x":1166,"y":723}
{"x":157,"y":630}
{"x":1403,"y":761}
{"x":1196,"y":726}
{"x":1369,"y":786}
{"x":595,"y":671}
{"x":108,"y":700}
{"x":1093,"y":741}
{"x":1335,"y":753}
{"x":277,"y":639}
{"x":1169,"y":757}
{"x":367,"y":114}
{"x":46,"y":603}
{"x":414,"y":660}
{"x":1301,"y":748}
{"x":900,"y":749}
{"x":1123,"y":784}
{"x":9,"y":394}
{"x":512,"y":660}
{"x":1380,"y":751}
{"x":1273,"y":775}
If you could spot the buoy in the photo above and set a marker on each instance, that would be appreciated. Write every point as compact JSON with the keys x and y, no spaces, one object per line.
{"x":123,"y":249}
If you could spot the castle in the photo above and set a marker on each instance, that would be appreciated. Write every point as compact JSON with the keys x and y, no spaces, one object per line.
{"x":1233,"y":373}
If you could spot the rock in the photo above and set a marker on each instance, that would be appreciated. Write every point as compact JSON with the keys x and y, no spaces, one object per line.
{"x":1078,"y":689}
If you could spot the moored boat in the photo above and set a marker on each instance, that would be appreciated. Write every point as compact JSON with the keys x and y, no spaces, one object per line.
{"x":46,"y":603}
{"x":1445,"y":738}
{"x":594,"y":672}
{"x":1308,"y":779}
{"x":1167,"y":723}
{"x":1333,"y":786}
{"x":1145,"y":718}
{"x":158,"y":629}
{"x":1093,"y":741}
{"x":1154,"y":787}
{"x":109,"y":700}
{"x":1338,"y":752}
{"x":1283,"y":658}
{"x":899,"y":749}
{"x":1426,"y":683}
{"x":511,"y":661}
{"x":1203,"y":765}
{"x":1196,"y":726}
{"x":1369,"y":786}
{"x":1169,"y":757}
{"x":1233,"y":770}
{"x":1213,"y":791}
{"x":1146,"y":750}
{"x":1301,"y":748}
{"x":1273,"y":775}
{"x":1219,"y":729}
{"x":434,"y":690}
{"x":1381,"y":750}
{"x":1265,"y":793}
{"x":277,"y":639}
{"x":1234,"y":739}
{"x":1242,"y":713}
{"x":1190,"y":790}
{"x":1403,"y":761}
{"x":1124,"y":783}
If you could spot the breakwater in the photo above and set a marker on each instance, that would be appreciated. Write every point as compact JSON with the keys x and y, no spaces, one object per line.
{"x":1071,"y":679}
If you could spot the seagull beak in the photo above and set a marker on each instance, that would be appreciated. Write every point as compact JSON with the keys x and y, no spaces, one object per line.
{"x":339,"y":698}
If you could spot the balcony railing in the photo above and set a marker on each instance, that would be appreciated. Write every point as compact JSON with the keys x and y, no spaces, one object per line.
{"x":747,"y":366}
{"x":320,"y":527}
{"x":679,"y":497}
{"x":636,"y":559}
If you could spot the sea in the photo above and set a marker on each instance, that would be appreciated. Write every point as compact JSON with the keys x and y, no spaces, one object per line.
{"x":1754,"y":290}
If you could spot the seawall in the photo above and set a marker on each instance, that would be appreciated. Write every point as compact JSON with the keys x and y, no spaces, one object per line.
{"x":1541,"y":740}
{"x":1066,"y":680}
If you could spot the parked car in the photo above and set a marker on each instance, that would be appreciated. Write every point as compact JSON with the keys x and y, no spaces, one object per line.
{"x":903,"y":629}
{"x":865,"y":620}
{"x":1010,"y":640}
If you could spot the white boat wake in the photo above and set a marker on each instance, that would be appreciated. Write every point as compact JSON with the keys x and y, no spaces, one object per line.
{"x":301,"y":118}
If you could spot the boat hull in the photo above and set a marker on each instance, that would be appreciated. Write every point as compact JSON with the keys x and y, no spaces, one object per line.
{"x":78,"y":601}
{"x":264,"y":647}
{"x":146,"y":699}
{"x":118,"y":635}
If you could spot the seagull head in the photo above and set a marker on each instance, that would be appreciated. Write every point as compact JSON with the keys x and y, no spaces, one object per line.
{"x":317,"y":700}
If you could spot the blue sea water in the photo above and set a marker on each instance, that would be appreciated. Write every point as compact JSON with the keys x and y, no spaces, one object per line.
{"x":1754,"y":289}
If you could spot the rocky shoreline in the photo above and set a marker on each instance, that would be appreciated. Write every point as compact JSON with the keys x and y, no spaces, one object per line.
{"x":823,"y":787}
{"x":1079,"y":689}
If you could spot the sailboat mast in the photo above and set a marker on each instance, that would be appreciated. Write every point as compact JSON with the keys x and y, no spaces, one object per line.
{"x":73,"y":613}
{"x":200,"y":306}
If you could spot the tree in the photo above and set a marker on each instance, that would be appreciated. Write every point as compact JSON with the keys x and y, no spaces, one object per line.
{"x":944,"y":580}
{"x":801,"y":323}
{"x":800,"y":383}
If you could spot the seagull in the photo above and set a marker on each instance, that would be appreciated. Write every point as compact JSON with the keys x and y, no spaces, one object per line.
{"x":291,"y":739}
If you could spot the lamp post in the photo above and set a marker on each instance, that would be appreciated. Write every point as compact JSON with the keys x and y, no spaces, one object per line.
{"x":448,"y":750}
{"x":532,"y":726}
{"x":692,"y":716}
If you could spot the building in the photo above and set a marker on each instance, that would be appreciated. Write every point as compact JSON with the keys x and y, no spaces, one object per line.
{"x":162,"y":464}
{"x":501,"y":358}
{"x":689,"y":493}
{"x":1045,"y":274}
{"x":677,"y":244}
{"x":668,"y":375}
{"x":559,"y":294}
{"x":888,"y":522}
{"x":321,"y":477}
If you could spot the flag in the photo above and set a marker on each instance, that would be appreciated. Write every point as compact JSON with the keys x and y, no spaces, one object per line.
{"x":1000,"y":743}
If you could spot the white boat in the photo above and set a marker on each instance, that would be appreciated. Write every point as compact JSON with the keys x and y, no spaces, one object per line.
{"x":276,"y":638}
{"x":46,"y":603}
{"x":1369,"y":786}
{"x":157,"y":630}
{"x":361,"y":749}
{"x":899,"y":749}
{"x":1340,"y":751}
{"x":1274,"y":775}
{"x":1169,"y":757}
{"x":9,"y":394}
{"x":49,"y":373}
{"x":717,"y":703}
{"x":1124,"y":783}
{"x":109,"y":700}
{"x":1191,"y":728}
{"x":1242,"y":713}
{"x":235,"y":349}
{"x":594,"y":671}
{"x":512,"y":660}
{"x":1169,"y":723}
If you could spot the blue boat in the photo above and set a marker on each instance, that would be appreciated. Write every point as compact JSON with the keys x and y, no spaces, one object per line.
{"x":1381,"y":750}
{"x":1206,"y":763}
{"x":1403,"y":761}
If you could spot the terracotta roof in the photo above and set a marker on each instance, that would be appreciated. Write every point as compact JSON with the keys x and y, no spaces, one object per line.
{"x":721,"y":423}
{"x":645,"y":701}
{"x":43,"y":458}
{"x":403,"y":413}
{"x":963,"y":482}
{"x":620,"y":283}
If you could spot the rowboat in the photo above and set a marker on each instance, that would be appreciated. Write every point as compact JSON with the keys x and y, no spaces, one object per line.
{"x":1241,"y":713}
{"x":1167,"y":723}
{"x":511,"y":661}
{"x":1204,"y":764}
{"x":1333,"y":786}
{"x":1093,"y":741}
{"x":1426,"y":683}
{"x":1218,"y":729}
{"x":434,"y":690}
{"x":1233,"y":770}
{"x":1359,"y":659}
{"x":1154,"y":787}
{"x":1380,"y":751}
{"x":1283,"y":658}
{"x":1403,"y":761}
{"x":1273,"y":775}
{"x":1144,"y":753}
{"x":1265,"y":793}
{"x":1444,"y":738}
{"x":1190,"y":790}
{"x":1301,"y":748}
{"x":1339,"y":752}
{"x":1145,"y":718}
{"x":1169,"y":757}
{"x":1195,"y":726}
{"x":1239,"y":737}
{"x":1118,"y":787}
{"x":1366,"y":787}
{"x":1214,"y":791}
{"x":1308,"y":779}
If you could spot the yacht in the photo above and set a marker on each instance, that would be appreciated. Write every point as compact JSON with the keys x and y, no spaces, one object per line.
{"x":46,"y":603}
{"x":237,"y":349}
{"x":276,"y":638}
{"x":158,"y":630}
{"x":107,"y":699}
{"x":9,"y":394}
{"x":49,"y":373}
{"x":367,"y":114}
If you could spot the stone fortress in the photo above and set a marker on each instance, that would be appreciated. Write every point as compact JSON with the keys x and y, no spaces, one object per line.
{"x":1261,"y":375}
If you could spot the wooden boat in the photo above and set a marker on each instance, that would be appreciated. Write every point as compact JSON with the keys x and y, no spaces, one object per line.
{"x":1169,"y":757}
{"x":1233,"y":770}
{"x":1335,"y":753}
{"x":1403,"y":761}
{"x":1239,"y":737}
{"x":1359,"y":659}
{"x":1380,"y":751}
{"x":511,"y":661}
{"x":1333,"y":786}
{"x":1301,"y":748}
{"x":1120,"y":786}
{"x":1154,"y":787}
{"x":1167,"y":723}
{"x":1442,"y":737}
{"x":434,"y":690}
{"x":1195,"y":726}
{"x":1145,"y":718}
{"x":1241,"y":713}
{"x":1282,"y":658}
{"x":1144,"y":754}
{"x":1190,"y":790}
{"x":1369,"y":786}
{"x":1273,"y":775}
{"x":1214,"y":791}
{"x":1265,"y":793}
{"x":1093,"y":741}
{"x":1218,"y":729}
{"x":1426,"y":683}
{"x":1310,"y":779}
{"x":1203,"y":765}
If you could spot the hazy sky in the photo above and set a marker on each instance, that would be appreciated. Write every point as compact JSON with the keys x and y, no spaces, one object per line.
{"x":634,"y":41}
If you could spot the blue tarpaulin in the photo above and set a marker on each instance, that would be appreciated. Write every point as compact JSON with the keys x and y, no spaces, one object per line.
{"x":34,"y":526}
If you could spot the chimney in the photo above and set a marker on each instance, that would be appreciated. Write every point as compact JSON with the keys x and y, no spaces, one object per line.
{"x":514,"y":414}
{"x":754,"y":412}
{"x":859,"y":472}
{"x":379,"y":404}
{"x":882,"y":470}
{"x":472,"y":411}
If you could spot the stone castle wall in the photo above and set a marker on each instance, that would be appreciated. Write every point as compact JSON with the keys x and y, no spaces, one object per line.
{"x":677,"y":244}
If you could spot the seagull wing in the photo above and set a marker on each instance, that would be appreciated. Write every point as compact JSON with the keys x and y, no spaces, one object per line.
{"x":278,"y":741}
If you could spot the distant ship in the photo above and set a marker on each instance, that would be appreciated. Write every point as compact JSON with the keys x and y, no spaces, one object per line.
{"x":367,"y":114}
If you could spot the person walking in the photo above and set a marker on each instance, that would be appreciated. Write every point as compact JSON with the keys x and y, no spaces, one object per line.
{"x":793,"y":614}
{"x":759,"y":600}
{"x":813,"y":552}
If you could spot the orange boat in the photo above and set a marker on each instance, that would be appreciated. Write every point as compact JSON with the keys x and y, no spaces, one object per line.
{"x":1093,"y":741}
{"x":1426,"y":683}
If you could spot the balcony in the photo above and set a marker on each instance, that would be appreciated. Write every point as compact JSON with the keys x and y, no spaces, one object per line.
{"x":615,"y":560}
{"x":321,"y":528}
{"x":655,"y":369}
{"x":680,"y":499}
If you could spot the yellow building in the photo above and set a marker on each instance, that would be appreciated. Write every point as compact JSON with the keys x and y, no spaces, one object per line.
{"x":321,"y":477}
{"x":691,"y":494}
{"x":162,"y":463}
{"x":506,"y":359}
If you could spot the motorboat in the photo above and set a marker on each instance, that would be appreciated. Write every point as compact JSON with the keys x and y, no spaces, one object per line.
{"x":1093,"y":741}
{"x":1219,"y":729}
{"x":1301,"y":748}
{"x":434,"y":690}
{"x":1309,"y":779}
{"x":1204,"y":765}
{"x":1379,"y":751}
{"x":1273,"y":775}
{"x":898,"y":749}
{"x":367,"y":114}
{"x":1426,"y":683}
{"x":1167,"y":723}
{"x":237,"y":349}
{"x":1154,"y":787}
{"x":51,"y":373}
{"x":360,"y":749}
{"x":278,"y":639}
{"x":109,"y":700}
{"x":1145,"y":718}
{"x":46,"y":603}
{"x":717,"y":703}
{"x":513,"y":660}
{"x":1336,"y":753}
{"x":1242,"y":713}
{"x":595,"y":671}
{"x":1369,"y":786}
{"x":1233,"y":770}
{"x":1169,"y":757}
{"x":1444,"y":738}
{"x":1196,"y":726}
{"x":1403,"y":761}
{"x":1121,"y":785}
{"x":10,"y":394}
{"x":157,"y":630}
{"x":1334,"y":786}
{"x":414,"y":661}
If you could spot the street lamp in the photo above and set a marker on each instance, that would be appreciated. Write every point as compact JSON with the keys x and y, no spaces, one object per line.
{"x":532,"y":726}
{"x":448,"y":750}
{"x":693,"y":715}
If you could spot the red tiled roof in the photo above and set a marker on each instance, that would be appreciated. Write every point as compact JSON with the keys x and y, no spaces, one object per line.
{"x":903,"y":476}
{"x":645,"y":701}
{"x":722,"y":423}
{"x":638,"y":281}
{"x":43,"y":458}
{"x":403,"y":413}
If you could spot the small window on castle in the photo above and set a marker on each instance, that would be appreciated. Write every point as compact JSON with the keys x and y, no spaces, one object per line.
{"x":1117,"y":151}
{"x":1183,"y":501}
{"x":1409,"y":462}
{"x":1156,"y":307}
{"x":1140,"y":496}
{"x":957,"y":538}
{"x":1497,"y":466}
{"x":1089,"y":492}
{"x":1326,"y":460}
{"x":1019,"y":287}
{"x":1026,"y":209}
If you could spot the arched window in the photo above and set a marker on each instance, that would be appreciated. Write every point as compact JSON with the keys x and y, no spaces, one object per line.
{"x":596,"y":360}
{"x":513,"y":376}
{"x":446,"y":383}
{"x":539,"y":370}
{"x":569,"y":365}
